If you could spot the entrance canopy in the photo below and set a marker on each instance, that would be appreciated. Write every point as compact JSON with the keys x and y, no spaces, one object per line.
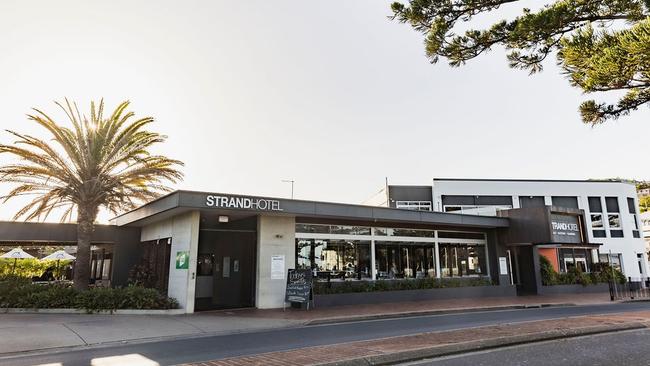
{"x":547,"y":226}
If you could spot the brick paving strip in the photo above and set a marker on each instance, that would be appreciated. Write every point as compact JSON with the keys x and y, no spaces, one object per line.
{"x":434,"y":344}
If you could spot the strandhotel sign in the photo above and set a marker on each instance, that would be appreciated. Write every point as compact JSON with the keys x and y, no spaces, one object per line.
{"x":565,"y":229}
{"x":248,"y":203}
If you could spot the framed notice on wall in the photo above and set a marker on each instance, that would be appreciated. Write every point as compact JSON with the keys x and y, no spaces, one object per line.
{"x":503,"y":266}
{"x":182,"y":260}
{"x":277,"y":267}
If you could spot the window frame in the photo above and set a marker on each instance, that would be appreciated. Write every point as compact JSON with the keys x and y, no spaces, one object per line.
{"x":414,"y":205}
{"x":462,"y":208}
{"x":618,"y":226}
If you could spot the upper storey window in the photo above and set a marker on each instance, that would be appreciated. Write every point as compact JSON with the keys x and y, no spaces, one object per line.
{"x":414,"y":205}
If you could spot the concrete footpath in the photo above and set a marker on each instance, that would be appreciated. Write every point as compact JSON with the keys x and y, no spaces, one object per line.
{"x":393,"y":350}
{"x":31,"y":332}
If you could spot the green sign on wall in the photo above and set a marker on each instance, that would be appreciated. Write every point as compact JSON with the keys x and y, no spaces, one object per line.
{"x":182,"y":260}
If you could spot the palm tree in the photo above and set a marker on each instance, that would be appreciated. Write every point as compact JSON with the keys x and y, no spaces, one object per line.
{"x":98,"y":162}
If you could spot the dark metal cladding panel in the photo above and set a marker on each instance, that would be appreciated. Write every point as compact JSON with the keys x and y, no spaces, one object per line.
{"x":50,"y":232}
{"x":160,"y":205}
{"x":527,"y":225}
{"x":299,"y":207}
{"x":396,"y":215}
{"x":333,"y":209}
{"x":409,"y":193}
{"x":494,"y":200}
{"x":534,"y":225}
{"x":473,"y":220}
{"x":450,"y":219}
{"x":199,"y":201}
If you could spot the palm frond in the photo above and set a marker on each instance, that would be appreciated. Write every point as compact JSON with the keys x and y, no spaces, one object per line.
{"x":102,"y":159}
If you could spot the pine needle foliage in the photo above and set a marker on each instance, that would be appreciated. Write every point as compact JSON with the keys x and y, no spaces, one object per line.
{"x":600,"y":45}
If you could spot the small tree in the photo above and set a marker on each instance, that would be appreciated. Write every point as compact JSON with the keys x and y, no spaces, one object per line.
{"x":549,"y":275}
{"x":99,"y":161}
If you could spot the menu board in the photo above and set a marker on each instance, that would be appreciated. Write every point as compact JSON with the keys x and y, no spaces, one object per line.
{"x":299,"y":283}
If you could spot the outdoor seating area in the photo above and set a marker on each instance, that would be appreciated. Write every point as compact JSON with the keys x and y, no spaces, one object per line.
{"x":55,"y":266}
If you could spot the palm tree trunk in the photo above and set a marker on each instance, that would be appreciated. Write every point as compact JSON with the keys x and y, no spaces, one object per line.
{"x":86,"y":216}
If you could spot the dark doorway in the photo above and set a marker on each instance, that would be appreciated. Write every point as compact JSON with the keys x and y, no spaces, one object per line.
{"x":525,"y":272}
{"x":225,"y":269}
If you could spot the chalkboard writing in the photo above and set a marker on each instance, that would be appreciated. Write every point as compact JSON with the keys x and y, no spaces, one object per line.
{"x":298,"y":285}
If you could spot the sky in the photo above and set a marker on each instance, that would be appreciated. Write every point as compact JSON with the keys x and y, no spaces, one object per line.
{"x":330,"y":94}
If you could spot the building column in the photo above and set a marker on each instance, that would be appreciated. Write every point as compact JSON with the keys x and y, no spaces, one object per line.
{"x":276,"y":238}
{"x":537,"y":270}
{"x":438,"y":268}
{"x":373,"y":265}
{"x":182,"y":264}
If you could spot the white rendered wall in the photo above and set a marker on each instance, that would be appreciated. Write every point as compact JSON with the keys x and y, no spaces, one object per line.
{"x":628,"y":246}
{"x":275,"y":236}
{"x":184,"y":231}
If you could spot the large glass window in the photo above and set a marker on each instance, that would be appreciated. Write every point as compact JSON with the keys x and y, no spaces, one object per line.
{"x":405,"y":259}
{"x":382,"y":231}
{"x":457,"y":260}
{"x":334,"y":259}
{"x":332,"y":229}
{"x":414,"y":205}
{"x":571,"y":258}
{"x":480,"y":210}
{"x":339,"y":252}
{"x":613,"y":259}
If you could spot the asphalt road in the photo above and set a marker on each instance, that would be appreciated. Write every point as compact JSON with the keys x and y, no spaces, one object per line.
{"x":622,"y":348}
{"x":177,"y":351}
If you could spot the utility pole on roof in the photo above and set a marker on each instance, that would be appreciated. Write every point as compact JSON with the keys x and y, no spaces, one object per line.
{"x":292,"y":182}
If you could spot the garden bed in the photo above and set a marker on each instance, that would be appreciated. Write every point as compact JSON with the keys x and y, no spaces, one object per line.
{"x":358,"y":298}
{"x":573,"y":289}
{"x":387,"y":291}
{"x":339,"y":287}
{"x":22,"y":294}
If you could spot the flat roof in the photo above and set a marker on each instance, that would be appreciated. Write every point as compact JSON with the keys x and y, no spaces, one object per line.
{"x":18,"y":232}
{"x":533,"y":180}
{"x":178,"y":202}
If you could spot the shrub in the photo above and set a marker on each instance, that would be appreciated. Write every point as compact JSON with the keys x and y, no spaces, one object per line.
{"x":549,"y":275}
{"x":21,"y":293}
{"x":143,"y":274}
{"x":601,"y":273}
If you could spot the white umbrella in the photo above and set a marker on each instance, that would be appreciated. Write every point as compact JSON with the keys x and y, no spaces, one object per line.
{"x":16,"y":254}
{"x":57,"y":256}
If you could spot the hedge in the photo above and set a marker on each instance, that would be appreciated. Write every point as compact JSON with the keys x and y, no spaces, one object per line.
{"x":21,"y":293}
{"x":601,"y":273}
{"x":324,"y":288}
